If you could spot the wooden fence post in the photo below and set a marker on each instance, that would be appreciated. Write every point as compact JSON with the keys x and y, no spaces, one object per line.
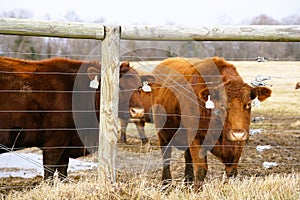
{"x":109,"y":104}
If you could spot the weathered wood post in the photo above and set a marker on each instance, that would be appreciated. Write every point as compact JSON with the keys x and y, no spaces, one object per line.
{"x":109,"y":104}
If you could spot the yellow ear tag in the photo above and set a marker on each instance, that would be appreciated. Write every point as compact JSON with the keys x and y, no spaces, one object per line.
{"x":209,"y":104}
{"x":94,"y":83}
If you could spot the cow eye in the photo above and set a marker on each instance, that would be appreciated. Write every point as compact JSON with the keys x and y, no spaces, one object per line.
{"x":248,"y":105}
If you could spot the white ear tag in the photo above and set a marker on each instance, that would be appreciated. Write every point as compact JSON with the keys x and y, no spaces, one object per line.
{"x":94,"y":83}
{"x":209,"y":104}
{"x":256,"y":103}
{"x":146,"y":87}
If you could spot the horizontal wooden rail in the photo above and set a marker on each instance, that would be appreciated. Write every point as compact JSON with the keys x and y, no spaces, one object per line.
{"x":271,"y":33}
{"x":213,"y":33}
{"x":25,"y":27}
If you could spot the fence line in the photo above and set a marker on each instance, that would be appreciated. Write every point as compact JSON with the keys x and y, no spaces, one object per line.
{"x":110,"y":48}
{"x":151,"y":58}
{"x":213,"y":33}
{"x":25,"y":27}
{"x":274,"y":33}
{"x":157,"y":146}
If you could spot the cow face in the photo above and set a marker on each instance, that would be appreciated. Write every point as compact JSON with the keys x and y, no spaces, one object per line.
{"x":232,"y":110}
{"x":130,"y":105}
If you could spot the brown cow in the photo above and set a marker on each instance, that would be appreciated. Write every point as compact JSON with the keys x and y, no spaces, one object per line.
{"x":183,"y":121}
{"x":297,"y":85}
{"x":147,"y":101}
{"x":49,"y":104}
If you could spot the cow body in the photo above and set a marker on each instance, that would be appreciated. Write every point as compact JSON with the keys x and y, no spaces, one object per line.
{"x":182,"y":119}
{"x":49,"y":104}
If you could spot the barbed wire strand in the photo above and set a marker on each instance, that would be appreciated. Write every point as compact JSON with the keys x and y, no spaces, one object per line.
{"x":274,"y":146}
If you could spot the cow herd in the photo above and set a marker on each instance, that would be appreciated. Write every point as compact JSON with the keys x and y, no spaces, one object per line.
{"x":49,"y":104}
{"x":196,"y":105}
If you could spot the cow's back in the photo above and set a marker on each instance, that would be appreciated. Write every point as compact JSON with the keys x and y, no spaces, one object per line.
{"x":185,"y":78}
{"x":36,"y":100}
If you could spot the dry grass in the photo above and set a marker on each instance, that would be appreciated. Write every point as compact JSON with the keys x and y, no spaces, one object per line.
{"x":140,"y":187}
{"x":280,"y":184}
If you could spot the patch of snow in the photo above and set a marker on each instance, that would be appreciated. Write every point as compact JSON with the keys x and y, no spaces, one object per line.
{"x":28,"y":165}
{"x":268,"y":165}
{"x":255,"y":131}
{"x":261,"y":148}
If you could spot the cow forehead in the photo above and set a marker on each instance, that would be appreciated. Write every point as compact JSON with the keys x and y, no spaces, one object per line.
{"x":130,"y":79}
{"x":237,"y":90}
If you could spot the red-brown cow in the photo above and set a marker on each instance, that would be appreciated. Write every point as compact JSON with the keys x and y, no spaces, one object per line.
{"x":185,"y":117}
{"x":49,"y":104}
{"x":297,"y":85}
{"x":147,"y":101}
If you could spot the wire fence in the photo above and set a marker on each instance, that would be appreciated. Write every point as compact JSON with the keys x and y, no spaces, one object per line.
{"x":282,"y":149}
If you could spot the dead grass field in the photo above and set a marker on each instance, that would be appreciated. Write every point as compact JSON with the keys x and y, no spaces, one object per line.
{"x":139,"y":167}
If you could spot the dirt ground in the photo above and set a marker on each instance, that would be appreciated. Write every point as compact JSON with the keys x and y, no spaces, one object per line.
{"x":280,"y":131}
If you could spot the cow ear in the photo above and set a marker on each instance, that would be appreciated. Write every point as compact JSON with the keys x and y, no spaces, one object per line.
{"x":148,"y":78}
{"x":297,"y":85}
{"x":262,"y":93}
{"x":203,"y":94}
{"x":125,"y":64}
{"x":124,"y":68}
{"x":92,"y":72}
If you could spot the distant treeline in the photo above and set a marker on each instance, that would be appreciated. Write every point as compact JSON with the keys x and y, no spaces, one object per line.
{"x":38,"y":48}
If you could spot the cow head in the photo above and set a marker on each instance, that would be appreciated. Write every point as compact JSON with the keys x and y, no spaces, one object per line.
{"x":297,"y":85}
{"x":232,"y":110}
{"x":130,"y":105}
{"x":130,"y":99}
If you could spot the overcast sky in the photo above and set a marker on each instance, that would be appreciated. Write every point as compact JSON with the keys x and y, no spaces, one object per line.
{"x":158,"y":12}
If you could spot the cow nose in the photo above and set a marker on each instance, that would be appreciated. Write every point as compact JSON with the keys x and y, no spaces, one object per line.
{"x":136,"y":112}
{"x":238,"y":135}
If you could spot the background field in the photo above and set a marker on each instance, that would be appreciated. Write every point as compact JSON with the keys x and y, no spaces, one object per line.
{"x":139,"y":167}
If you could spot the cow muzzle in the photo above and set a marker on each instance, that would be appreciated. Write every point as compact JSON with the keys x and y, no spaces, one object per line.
{"x":136,"y":113}
{"x":238,"y":135}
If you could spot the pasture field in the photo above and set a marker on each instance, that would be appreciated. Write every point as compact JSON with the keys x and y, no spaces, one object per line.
{"x":139,"y":167}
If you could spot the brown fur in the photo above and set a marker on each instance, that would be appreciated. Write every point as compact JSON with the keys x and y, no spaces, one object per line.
{"x":188,"y":125}
{"x":147,"y":102}
{"x":36,"y":102}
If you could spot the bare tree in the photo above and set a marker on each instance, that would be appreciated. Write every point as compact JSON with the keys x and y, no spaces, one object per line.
{"x":291,"y":20}
{"x":18,"y":44}
{"x":264,"y":20}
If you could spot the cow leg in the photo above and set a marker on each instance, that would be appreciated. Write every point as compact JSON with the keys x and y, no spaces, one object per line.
{"x":124,"y":124}
{"x":141,"y":130}
{"x":231,"y":167}
{"x":50,"y":158}
{"x":62,"y":166}
{"x":166,"y":174}
{"x":55,"y":159}
{"x":189,"y":174}
{"x":199,"y":159}
{"x":231,"y":164}
{"x":231,"y":170}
